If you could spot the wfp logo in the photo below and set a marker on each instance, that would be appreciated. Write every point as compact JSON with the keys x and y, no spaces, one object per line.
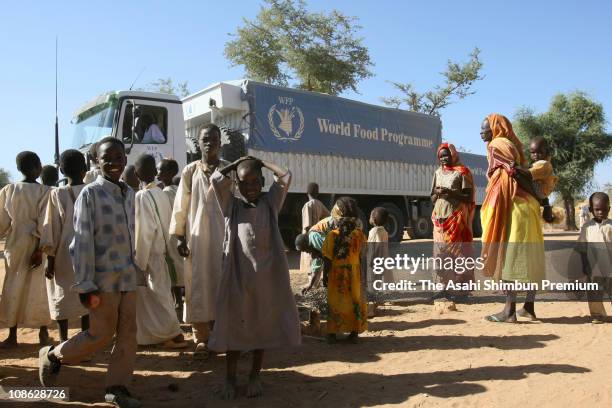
{"x":286,"y":120}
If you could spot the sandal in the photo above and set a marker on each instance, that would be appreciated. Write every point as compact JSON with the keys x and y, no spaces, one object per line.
{"x":496,"y":318}
{"x":201,"y":351}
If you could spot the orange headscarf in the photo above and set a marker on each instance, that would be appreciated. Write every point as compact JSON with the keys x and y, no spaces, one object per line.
{"x":456,"y":165}
{"x":458,"y":226}
{"x":502,"y":127}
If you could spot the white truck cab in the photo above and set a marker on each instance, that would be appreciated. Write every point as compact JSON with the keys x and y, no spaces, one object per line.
{"x":146,"y":122}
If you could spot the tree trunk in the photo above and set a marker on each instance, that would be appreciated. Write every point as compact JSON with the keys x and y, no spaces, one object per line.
{"x":570,"y":213}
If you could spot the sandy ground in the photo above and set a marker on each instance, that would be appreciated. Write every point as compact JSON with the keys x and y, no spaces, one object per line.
{"x":410,"y":357}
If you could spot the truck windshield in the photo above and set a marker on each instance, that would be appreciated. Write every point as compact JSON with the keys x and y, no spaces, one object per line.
{"x":94,"y":124}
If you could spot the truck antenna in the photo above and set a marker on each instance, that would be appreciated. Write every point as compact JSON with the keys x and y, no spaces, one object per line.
{"x":56,"y":156}
{"x":137,"y":76}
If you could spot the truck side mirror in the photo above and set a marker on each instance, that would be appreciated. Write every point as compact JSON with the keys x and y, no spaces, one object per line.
{"x":133,"y":134}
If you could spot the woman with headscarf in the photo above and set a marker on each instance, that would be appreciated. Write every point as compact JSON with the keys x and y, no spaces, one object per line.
{"x":513,"y":243}
{"x":452,"y":193}
{"x":318,"y":233}
{"x":342,"y":250}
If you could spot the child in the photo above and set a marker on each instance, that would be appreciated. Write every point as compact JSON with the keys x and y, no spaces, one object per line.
{"x":24,"y":296}
{"x":255,"y":305}
{"x":105,"y":278}
{"x":57,"y":233}
{"x":49,"y":176}
{"x":542,"y":174}
{"x":312,"y":212}
{"x":155,"y":318}
{"x":198,"y":225}
{"x":342,"y":274}
{"x":378,"y":247}
{"x":594,"y":244}
{"x":92,"y":157}
{"x":167,"y":170}
{"x":378,"y":219}
{"x":130,"y":178}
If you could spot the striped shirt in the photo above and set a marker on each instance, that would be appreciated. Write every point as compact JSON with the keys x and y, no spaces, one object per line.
{"x":102,"y":250}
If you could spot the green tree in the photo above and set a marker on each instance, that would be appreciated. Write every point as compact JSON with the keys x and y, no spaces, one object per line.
{"x":574,"y":127}
{"x":314,"y":51}
{"x":167,"y":85}
{"x":458,"y":83}
{"x":5,"y":177}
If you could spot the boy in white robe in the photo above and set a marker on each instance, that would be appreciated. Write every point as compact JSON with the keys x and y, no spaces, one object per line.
{"x":156,"y":318}
{"x":24,"y":296}
{"x":56,"y":235}
{"x":312,"y":212}
{"x":198,"y":224}
{"x":378,"y":247}
{"x":167,"y":169}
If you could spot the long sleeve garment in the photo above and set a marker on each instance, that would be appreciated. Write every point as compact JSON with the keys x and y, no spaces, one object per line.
{"x":197,"y":216}
{"x":56,"y":235}
{"x":24,"y":295}
{"x":155,"y":315}
{"x":102,"y":250}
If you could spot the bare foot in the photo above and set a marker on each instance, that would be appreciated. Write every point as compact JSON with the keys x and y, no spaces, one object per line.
{"x":229,"y":390}
{"x":254,"y":388}
{"x":10,"y":342}
{"x":527,"y":313}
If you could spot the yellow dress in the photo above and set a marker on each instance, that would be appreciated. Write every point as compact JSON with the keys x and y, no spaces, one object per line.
{"x":347,"y":309}
{"x":512,"y":239}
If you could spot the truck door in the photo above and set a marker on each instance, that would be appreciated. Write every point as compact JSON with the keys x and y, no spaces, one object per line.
{"x":144,"y":128}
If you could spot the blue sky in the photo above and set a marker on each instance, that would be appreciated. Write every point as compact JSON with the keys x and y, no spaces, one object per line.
{"x":531,"y":51}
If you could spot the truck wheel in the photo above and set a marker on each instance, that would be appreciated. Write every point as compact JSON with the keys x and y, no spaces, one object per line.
{"x":423,"y":228}
{"x":233,"y":144}
{"x":395,"y":224}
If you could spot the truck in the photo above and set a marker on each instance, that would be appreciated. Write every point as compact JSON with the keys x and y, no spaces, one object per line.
{"x":380,"y":156}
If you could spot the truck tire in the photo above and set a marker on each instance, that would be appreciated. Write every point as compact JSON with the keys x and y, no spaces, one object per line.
{"x":233,"y":144}
{"x":423,"y":228}
{"x":396,"y":223}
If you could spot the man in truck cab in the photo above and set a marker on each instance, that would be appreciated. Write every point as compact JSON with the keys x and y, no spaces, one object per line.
{"x":147,"y":129}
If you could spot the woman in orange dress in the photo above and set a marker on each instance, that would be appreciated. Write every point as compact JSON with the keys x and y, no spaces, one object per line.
{"x":512,"y":239}
{"x":452,"y":193}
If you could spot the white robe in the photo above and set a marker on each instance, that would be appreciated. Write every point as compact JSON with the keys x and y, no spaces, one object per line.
{"x":156,"y":318}
{"x":57,"y":233}
{"x":197,"y":216}
{"x":91,"y":175}
{"x":312,"y":212}
{"x":179,"y":261}
{"x":24,"y":296}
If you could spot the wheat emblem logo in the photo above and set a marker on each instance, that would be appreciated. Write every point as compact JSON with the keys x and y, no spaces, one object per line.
{"x":286,"y":117}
